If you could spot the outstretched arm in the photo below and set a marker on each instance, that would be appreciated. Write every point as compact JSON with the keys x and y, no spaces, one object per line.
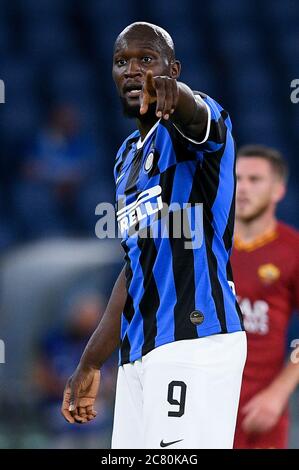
{"x":175,"y":100}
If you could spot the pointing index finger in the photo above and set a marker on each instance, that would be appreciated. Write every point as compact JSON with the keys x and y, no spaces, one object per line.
{"x":149,"y":82}
{"x":148,"y":90}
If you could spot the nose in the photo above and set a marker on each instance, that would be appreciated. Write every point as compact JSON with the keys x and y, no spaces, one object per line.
{"x":242,"y":187}
{"x":133,"y":69}
{"x":240,"y":184}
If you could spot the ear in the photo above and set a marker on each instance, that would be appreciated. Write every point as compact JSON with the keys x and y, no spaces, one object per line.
{"x":175,"y":69}
{"x":279,"y":191}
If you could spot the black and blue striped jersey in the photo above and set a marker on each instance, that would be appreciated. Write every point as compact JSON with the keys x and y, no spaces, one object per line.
{"x":175,"y":211}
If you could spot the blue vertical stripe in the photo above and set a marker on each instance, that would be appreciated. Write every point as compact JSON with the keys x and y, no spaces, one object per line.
{"x":204,"y":301}
{"x":166,"y":288}
{"x":221,"y":210}
{"x":135,"y":330}
{"x":164,"y":145}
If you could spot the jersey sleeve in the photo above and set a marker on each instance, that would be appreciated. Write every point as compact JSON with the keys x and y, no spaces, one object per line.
{"x":217,"y":129}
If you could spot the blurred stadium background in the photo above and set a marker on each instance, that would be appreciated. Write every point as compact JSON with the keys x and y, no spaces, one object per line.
{"x":55,"y":274}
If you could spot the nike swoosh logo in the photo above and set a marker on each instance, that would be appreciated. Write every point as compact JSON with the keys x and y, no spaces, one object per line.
{"x":119,"y":178}
{"x":166,"y":444}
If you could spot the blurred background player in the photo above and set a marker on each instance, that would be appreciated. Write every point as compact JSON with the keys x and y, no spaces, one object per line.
{"x":265,"y":263}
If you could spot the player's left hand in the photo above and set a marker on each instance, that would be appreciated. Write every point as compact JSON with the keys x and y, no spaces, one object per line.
{"x":263,"y":411}
{"x":79,"y":396}
{"x":160,"y":89}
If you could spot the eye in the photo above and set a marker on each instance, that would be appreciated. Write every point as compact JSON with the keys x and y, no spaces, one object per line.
{"x":147,"y":59}
{"x":121,"y":62}
{"x":255,"y":179}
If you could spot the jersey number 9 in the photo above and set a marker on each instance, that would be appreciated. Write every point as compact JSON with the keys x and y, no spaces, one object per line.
{"x":173,"y":399}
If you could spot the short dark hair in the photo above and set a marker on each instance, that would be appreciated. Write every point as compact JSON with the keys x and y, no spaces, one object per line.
{"x":160,"y":35}
{"x":273,"y":156}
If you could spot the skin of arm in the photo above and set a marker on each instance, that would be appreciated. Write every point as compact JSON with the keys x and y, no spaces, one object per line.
{"x":82,"y":387}
{"x":263,"y":411}
{"x":106,"y":337}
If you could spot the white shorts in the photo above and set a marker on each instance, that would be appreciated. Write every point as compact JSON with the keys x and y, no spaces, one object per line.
{"x":182,"y":395}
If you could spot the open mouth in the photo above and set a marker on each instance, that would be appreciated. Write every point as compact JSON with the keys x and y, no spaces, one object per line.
{"x":133,"y":90}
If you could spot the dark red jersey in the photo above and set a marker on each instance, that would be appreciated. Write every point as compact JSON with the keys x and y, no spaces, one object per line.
{"x":266,"y":275}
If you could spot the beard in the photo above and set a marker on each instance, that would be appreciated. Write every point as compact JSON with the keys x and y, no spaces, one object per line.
{"x":129,"y":110}
{"x":133,"y":112}
{"x":252,"y":215}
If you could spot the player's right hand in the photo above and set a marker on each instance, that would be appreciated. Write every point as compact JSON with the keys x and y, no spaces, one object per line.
{"x":79,"y":396}
{"x":160,"y":89}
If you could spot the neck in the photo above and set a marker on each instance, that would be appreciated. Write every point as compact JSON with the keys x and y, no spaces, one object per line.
{"x":249,"y":230}
{"x":146,"y":123}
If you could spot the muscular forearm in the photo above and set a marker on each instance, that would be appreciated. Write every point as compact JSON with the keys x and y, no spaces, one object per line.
{"x":191,"y":114}
{"x":106,"y":337}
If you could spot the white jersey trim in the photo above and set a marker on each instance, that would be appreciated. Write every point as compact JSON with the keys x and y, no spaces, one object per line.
{"x":140,"y":142}
{"x":197,"y":97}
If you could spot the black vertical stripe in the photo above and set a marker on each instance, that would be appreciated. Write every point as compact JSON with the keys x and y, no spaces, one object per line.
{"x":228,"y":239}
{"x":239,"y":312}
{"x":125,"y":350}
{"x":131,"y":185}
{"x":229,"y":229}
{"x":128,"y":311}
{"x":218,"y":129}
{"x":166,"y":183}
{"x":196,"y":193}
{"x":230,"y":277}
{"x":129,"y":306}
{"x":123,"y":156}
{"x":150,"y":300}
{"x":137,"y":165}
{"x":217,"y":293}
{"x":205,"y":187}
{"x":184,"y":280}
